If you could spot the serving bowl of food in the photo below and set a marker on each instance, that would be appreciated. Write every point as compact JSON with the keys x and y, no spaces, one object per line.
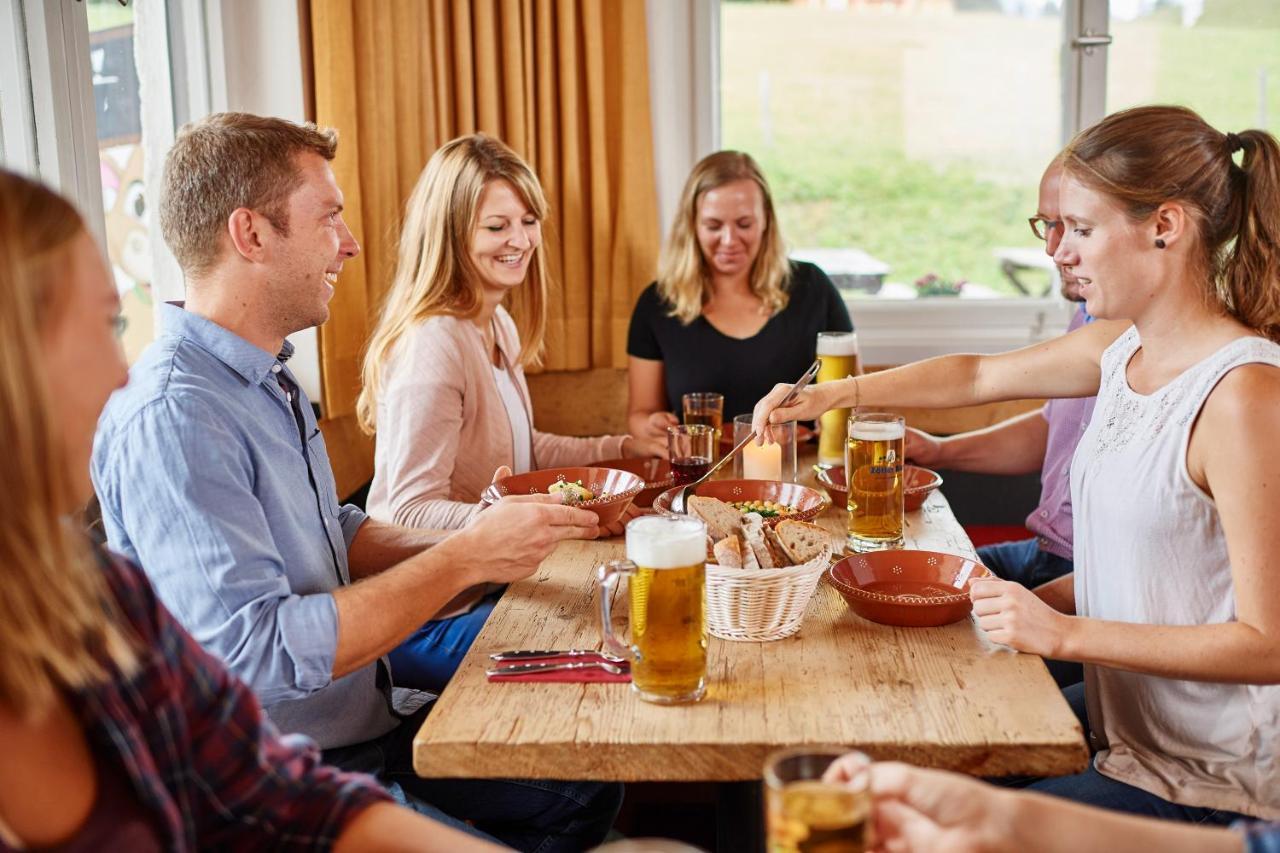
{"x":911,"y":589}
{"x":605,"y":491}
{"x":771,"y":499}
{"x":655,"y":472}
{"x":917,"y":484}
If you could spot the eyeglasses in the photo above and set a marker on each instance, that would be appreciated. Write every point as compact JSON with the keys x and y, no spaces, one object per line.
{"x":1041,"y":226}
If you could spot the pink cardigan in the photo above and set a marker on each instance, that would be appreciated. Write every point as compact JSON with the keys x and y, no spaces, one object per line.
{"x":443,"y":429}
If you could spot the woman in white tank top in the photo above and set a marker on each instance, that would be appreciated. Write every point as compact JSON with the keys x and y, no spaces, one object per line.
{"x":1174,"y":607}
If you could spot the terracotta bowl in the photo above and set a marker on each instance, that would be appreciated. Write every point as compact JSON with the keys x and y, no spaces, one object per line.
{"x":655,"y":472}
{"x":618,"y":487}
{"x":917,"y":484}
{"x":808,"y":503}
{"x":913,"y":589}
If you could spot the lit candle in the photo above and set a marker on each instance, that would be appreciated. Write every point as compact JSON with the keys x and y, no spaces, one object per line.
{"x":762,"y":462}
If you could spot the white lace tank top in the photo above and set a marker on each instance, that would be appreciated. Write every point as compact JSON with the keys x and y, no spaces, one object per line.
{"x":1149,"y":548}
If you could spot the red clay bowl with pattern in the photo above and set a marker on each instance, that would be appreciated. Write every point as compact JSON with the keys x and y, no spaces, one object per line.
{"x":655,"y":472}
{"x":805,"y":502}
{"x":615,"y":489}
{"x":911,"y":589}
{"x":917,"y":484}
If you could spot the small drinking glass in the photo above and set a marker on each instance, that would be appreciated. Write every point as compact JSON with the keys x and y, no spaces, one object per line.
{"x":705,"y":407}
{"x":802,"y":812}
{"x":691,"y":448}
{"x":774,"y":460}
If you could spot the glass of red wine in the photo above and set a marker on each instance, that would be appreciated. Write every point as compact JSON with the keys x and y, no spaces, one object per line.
{"x":691,"y":447}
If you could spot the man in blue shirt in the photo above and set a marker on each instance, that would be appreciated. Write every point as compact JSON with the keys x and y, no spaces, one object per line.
{"x":213,"y":476}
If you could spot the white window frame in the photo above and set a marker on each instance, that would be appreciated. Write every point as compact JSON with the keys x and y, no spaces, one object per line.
{"x":684,"y":51}
{"x":217,"y":60}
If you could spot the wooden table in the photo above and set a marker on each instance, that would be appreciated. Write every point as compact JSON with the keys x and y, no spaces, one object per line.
{"x":938,"y":697}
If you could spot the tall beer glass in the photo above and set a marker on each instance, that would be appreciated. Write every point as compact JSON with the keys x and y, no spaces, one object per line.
{"x":666,"y":565}
{"x":873,"y":469}
{"x":807,"y":815}
{"x":839,"y":354}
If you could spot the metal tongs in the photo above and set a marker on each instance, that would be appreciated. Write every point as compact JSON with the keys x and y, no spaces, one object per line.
{"x":678,"y":504}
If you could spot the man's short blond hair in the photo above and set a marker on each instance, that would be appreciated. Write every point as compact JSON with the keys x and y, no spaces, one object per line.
{"x":225,"y":162}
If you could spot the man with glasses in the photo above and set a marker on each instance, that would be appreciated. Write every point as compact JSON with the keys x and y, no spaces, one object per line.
{"x":1043,"y":440}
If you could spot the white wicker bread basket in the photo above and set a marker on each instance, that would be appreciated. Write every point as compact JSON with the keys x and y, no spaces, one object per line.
{"x":761,"y":604}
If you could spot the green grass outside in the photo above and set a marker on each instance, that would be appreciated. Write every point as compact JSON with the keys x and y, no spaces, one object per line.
{"x":920,"y":138}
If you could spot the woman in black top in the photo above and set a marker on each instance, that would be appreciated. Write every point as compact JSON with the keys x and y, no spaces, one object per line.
{"x":729,"y":313}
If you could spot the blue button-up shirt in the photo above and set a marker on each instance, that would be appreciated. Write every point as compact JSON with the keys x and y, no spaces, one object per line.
{"x":204,"y":482}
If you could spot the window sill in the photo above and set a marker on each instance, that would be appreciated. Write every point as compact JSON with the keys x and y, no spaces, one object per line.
{"x":897,"y":331}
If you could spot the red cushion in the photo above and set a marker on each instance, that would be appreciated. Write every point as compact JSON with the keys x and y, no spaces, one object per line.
{"x":987,"y":534}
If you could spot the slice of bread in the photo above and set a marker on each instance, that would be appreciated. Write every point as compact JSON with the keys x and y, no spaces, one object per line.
{"x":753,"y":533}
{"x":749,"y":560}
{"x":802,"y":541}
{"x":711,"y":549}
{"x":720,"y":518}
{"x":781,"y":556}
{"x":729,"y":552}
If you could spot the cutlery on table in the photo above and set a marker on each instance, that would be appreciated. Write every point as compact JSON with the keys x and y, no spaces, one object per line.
{"x":541,"y":654}
{"x":568,"y":666}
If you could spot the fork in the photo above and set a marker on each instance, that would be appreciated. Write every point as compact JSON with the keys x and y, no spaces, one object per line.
{"x":678,"y":503}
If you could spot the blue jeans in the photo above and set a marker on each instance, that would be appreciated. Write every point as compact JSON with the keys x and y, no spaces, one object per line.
{"x":430,"y":656}
{"x":1026,"y":563}
{"x":527,"y":814}
{"x":1094,"y":789}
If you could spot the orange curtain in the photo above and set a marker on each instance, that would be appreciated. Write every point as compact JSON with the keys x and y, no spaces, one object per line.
{"x":563,"y":82}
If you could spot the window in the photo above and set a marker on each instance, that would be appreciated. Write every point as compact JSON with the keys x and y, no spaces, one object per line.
{"x":1219,"y":57}
{"x":118,"y":121}
{"x":903,"y":141}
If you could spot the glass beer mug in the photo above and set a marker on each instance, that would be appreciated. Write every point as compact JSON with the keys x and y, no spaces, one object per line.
{"x":839,"y":354}
{"x":666,"y":567}
{"x":805,"y":814}
{"x":873,"y":470}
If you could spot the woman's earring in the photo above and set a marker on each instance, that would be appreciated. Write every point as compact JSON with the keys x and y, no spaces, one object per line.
{"x":1159,"y":243}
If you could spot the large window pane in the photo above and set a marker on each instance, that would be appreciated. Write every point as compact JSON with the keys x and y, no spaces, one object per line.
{"x":915,"y":134}
{"x":1219,"y":57}
{"x":120,"y":153}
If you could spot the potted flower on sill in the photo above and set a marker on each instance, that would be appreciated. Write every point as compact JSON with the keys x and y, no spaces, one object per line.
{"x":932,"y":285}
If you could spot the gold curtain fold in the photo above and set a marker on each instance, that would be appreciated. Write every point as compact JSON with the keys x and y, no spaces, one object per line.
{"x":563,"y":82}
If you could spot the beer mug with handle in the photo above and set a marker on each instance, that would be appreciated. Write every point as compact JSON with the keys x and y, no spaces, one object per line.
{"x":873,"y":469}
{"x":666,"y":570}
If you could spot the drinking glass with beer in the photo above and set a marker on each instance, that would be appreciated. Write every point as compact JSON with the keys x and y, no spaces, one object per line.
{"x":705,"y":407}
{"x":873,"y":470}
{"x":666,"y":568}
{"x":839,"y":354}
{"x":691,"y":449}
{"x":804,"y":814}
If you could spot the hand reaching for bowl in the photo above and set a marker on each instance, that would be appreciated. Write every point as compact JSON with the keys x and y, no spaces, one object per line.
{"x":507,"y":541}
{"x":1016,"y":617}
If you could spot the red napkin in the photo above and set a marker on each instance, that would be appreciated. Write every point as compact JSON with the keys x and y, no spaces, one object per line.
{"x":589,"y":673}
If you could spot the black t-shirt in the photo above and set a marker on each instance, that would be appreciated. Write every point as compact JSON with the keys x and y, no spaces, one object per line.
{"x":698,"y":357}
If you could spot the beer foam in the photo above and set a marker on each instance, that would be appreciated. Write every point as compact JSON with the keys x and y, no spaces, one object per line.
{"x":663,"y":542}
{"x":845,"y":344}
{"x":877,"y":431}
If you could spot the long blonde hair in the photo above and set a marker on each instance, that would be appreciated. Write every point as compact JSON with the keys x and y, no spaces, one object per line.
{"x":434,"y":272}
{"x":56,"y":616}
{"x":684,"y":281}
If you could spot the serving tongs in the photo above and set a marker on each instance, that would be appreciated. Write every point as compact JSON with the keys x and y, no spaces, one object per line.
{"x":678,"y":503}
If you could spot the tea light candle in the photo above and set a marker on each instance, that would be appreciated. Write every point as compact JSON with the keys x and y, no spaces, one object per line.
{"x":762,"y":462}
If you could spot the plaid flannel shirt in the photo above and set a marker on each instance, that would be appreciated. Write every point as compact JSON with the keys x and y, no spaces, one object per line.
{"x":204,"y":761}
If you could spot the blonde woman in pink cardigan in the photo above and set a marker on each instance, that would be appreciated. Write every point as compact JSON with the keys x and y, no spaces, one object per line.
{"x":444,"y":384}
